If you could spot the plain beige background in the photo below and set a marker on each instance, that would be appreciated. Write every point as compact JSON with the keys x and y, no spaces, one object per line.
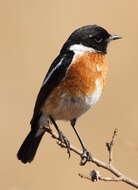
{"x":31,"y":35}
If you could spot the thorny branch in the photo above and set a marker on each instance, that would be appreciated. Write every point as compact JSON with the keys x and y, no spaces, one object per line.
{"x":95,"y":175}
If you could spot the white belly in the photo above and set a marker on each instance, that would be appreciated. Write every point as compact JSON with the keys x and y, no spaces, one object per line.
{"x":73,"y":107}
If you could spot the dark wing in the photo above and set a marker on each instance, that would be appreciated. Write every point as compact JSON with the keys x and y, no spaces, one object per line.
{"x":55,"y":74}
{"x":53,"y":65}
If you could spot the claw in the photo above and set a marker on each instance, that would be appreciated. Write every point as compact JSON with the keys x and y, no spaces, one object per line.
{"x":64,"y":140}
{"x":85,"y":157}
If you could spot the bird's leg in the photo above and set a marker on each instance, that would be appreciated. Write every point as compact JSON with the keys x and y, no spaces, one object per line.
{"x":85,"y":156}
{"x":62,"y":138}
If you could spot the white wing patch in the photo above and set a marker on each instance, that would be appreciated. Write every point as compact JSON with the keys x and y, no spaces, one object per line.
{"x":49,"y":75}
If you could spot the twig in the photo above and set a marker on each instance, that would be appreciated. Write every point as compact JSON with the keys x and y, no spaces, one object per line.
{"x":119,"y":176}
{"x":100,"y":178}
{"x":109,"y":146}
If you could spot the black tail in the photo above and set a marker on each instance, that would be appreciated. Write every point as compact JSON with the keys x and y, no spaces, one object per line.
{"x":29,"y":147}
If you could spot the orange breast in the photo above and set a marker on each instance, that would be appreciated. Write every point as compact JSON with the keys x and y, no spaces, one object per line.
{"x":80,"y":79}
{"x":83,"y":73}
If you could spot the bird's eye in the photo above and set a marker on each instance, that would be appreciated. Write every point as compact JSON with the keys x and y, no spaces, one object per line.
{"x":98,"y":39}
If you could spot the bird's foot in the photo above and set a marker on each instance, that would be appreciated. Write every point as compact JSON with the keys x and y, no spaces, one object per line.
{"x":85,"y":157}
{"x":64,"y":141}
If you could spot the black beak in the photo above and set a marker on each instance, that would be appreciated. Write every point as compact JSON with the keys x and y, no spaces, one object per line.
{"x":114,"y":37}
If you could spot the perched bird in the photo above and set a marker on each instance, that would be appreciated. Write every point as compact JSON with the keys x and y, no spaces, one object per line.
{"x":71,"y":87}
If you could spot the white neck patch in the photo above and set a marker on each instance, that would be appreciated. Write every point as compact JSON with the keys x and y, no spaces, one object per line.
{"x":79,"y":48}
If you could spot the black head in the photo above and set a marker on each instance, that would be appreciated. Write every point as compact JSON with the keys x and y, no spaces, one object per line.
{"x":91,"y":36}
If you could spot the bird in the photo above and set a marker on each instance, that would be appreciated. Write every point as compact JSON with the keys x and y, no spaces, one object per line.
{"x":72,"y":85}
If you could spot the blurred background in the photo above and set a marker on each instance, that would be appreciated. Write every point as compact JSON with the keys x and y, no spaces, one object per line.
{"x":31,"y":35}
